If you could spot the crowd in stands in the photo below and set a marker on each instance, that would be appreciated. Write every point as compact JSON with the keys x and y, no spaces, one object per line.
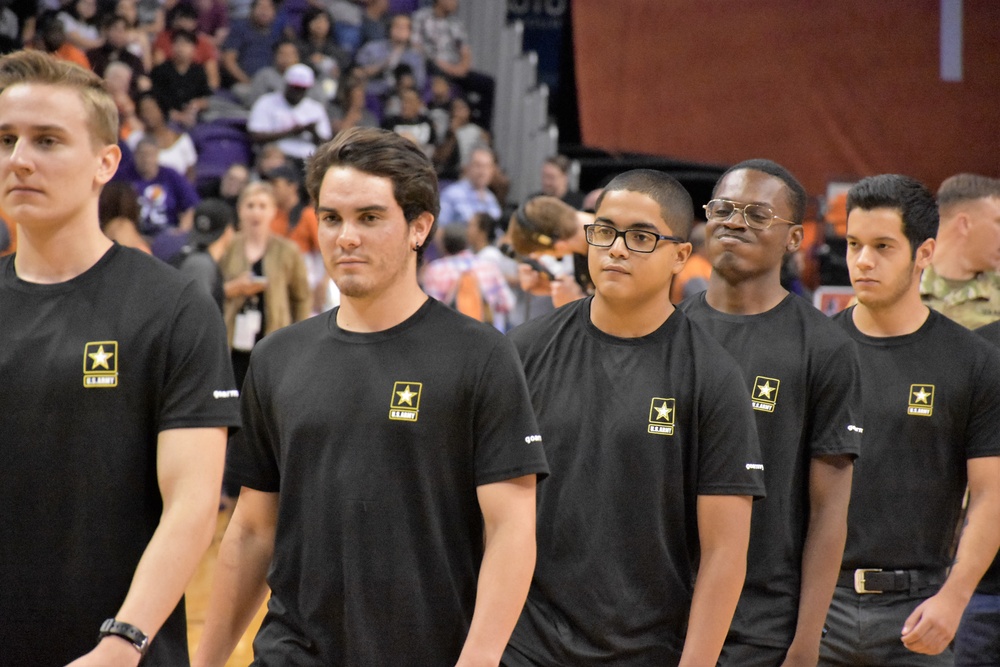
{"x":216,"y":94}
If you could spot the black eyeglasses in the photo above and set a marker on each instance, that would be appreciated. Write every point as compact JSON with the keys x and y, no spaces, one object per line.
{"x":757,"y":216}
{"x":636,"y":240}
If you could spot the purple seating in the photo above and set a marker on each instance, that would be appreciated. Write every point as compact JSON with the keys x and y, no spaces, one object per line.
{"x":219,"y":144}
{"x":403,"y":6}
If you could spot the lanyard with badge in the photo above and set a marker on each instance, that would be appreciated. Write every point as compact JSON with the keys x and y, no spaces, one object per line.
{"x":249,"y":321}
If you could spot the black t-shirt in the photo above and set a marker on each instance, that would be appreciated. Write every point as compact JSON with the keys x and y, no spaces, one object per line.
{"x":990,"y":583}
{"x":376,"y":444}
{"x":803,"y":374}
{"x":931,"y":401}
{"x":174,"y":89}
{"x":93,"y":369}
{"x":635,"y":430}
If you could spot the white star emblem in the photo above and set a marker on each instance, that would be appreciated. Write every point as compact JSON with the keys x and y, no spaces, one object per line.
{"x":663,"y":412}
{"x":920,"y":396}
{"x":765,"y":390}
{"x":406,"y":396}
{"x":100,"y":358}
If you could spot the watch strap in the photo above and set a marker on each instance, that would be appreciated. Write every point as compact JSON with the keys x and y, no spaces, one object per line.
{"x":133,"y":635}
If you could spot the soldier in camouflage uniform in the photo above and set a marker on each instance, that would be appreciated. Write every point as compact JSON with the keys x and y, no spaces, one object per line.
{"x":963,"y":282}
{"x":968,"y":253}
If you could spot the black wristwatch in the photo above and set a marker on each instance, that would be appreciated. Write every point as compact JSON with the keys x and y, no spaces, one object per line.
{"x":130,"y":633}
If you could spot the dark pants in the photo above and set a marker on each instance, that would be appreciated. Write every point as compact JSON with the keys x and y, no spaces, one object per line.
{"x":865,"y":631}
{"x":977,"y":643}
{"x":750,"y":655}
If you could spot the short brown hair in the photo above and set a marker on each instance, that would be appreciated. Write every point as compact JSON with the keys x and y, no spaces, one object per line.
{"x":539,"y":223}
{"x":962,"y":188}
{"x":24,"y":67}
{"x":384,"y":154}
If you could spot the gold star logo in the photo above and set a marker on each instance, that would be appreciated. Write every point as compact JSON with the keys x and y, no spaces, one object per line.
{"x":920,"y":396}
{"x":100,"y":358}
{"x":406,"y":396}
{"x":765,"y":390}
{"x":663,"y":412}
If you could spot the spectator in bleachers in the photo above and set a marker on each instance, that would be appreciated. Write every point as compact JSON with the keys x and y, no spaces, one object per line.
{"x":555,"y":181}
{"x":296,"y":221}
{"x":461,"y":138}
{"x":403,"y":80}
{"x":118,"y":212}
{"x":176,"y":149}
{"x":166,"y":198}
{"x":379,"y":59}
{"x":180,"y":84}
{"x":294,"y":218}
{"x":118,"y":81}
{"x":445,"y":44}
{"x":183,"y":17}
{"x":79,"y":19}
{"x":319,"y":49}
{"x":439,"y":104}
{"x":482,"y":235}
{"x":471,"y":195}
{"x":271,"y":79}
{"x":297,"y":123}
{"x":269,"y":157}
{"x":693,"y":278}
{"x":347,"y":19}
{"x":232,"y":183}
{"x":10,"y":32}
{"x":114,"y":29}
{"x":441,"y":277}
{"x":266,"y":285}
{"x":350,"y":109}
{"x":250,"y":43}
{"x":213,"y":19}
{"x":374,"y":21}
{"x":212,"y":234}
{"x":51,"y":38}
{"x":138,"y":37}
{"x":412,"y":122}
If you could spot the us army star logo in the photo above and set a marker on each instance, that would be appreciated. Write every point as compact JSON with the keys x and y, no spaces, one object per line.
{"x":765,"y":393}
{"x":100,"y":364}
{"x":921,"y":403}
{"x":405,"y":402}
{"x":661,"y":416}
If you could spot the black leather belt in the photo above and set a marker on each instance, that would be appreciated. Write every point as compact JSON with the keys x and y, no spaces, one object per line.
{"x":876,"y":580}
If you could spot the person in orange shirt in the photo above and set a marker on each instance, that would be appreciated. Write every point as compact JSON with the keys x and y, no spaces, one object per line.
{"x":52,"y":38}
{"x":693,"y":278}
{"x":296,"y":221}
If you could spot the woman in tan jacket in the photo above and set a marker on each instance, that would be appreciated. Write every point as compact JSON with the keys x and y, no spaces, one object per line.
{"x":266,"y":282}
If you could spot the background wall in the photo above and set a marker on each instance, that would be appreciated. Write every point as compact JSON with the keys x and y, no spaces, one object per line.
{"x":832,"y":90}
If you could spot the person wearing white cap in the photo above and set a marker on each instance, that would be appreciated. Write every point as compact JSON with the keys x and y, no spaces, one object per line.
{"x":296,"y":122}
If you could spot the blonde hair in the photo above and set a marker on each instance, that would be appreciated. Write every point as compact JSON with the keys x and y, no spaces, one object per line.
{"x":27,"y":67}
{"x":256,"y":188}
{"x":548,"y":219}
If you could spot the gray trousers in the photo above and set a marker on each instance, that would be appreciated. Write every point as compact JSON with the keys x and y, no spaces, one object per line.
{"x":865,"y":631}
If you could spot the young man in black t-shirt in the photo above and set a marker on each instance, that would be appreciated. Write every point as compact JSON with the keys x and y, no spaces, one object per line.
{"x":802,"y":371}
{"x":932,"y":412}
{"x":389,"y":452}
{"x":977,"y":642}
{"x":643,"y":527}
{"x":116,"y":395}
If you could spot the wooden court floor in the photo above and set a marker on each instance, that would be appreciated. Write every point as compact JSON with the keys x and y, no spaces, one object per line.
{"x":197,"y":601}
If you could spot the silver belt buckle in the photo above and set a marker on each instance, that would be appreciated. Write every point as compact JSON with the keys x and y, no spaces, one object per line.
{"x":859,"y":580}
